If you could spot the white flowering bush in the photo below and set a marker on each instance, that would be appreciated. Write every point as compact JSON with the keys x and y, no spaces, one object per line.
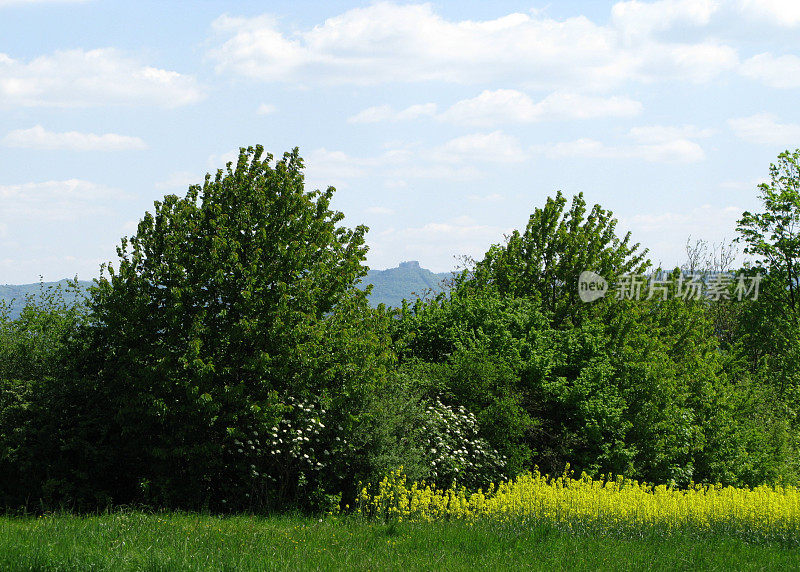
{"x":456,"y":452}
{"x":283,"y":457}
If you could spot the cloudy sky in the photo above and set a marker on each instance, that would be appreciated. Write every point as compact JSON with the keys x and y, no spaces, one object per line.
{"x":442,"y":125}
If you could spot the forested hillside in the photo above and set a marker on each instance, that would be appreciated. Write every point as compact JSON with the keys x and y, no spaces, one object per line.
{"x":409,"y":280}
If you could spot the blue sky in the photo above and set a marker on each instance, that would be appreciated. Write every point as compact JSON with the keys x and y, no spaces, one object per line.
{"x":442,"y":125}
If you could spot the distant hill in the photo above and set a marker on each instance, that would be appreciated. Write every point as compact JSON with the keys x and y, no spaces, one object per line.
{"x":390,"y":286}
{"x":16,"y":294}
{"x":408,"y":281}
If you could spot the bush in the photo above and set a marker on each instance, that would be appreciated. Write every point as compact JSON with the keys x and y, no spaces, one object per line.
{"x":35,"y":352}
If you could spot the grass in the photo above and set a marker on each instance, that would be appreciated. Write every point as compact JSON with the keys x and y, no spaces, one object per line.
{"x":184,"y":541}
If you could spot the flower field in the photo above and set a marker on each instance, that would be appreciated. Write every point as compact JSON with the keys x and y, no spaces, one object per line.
{"x":610,"y":505}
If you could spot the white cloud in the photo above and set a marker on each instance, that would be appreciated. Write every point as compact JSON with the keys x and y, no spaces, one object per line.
{"x":79,"y":78}
{"x":390,"y":43}
{"x":666,"y":232}
{"x":694,"y":222}
{"x":387,"y":113}
{"x":220,"y":161}
{"x":57,"y":200}
{"x":494,"y":147}
{"x":576,"y":106}
{"x":636,"y":19}
{"x":435,"y":170}
{"x":780,"y":72}
{"x":666,"y":133}
{"x":669,"y":144}
{"x":698,"y":63}
{"x":374,"y":114}
{"x":257,"y":48}
{"x":180,"y":180}
{"x":130,"y":227}
{"x":399,"y":163}
{"x":325,"y":167}
{"x":784,"y":13}
{"x":492,"y":107}
{"x":653,"y":143}
{"x":674,"y":151}
{"x":416,"y":111}
{"x":266,"y":109}
{"x":583,"y":147}
{"x":333,"y":167}
{"x":764,"y":129}
{"x":39,"y":138}
{"x":512,"y":106}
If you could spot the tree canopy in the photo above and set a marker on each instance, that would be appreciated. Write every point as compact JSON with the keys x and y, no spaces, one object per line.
{"x":546,"y":260}
{"x":224,"y":305}
{"x":773,"y":235}
{"x":228,"y":361}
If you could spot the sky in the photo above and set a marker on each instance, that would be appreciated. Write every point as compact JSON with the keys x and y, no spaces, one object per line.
{"x":442,"y":125}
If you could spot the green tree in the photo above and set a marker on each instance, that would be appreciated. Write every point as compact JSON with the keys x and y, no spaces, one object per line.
{"x":469,"y":349}
{"x":640,"y":388}
{"x":773,"y":236}
{"x":546,"y":260}
{"x":34,"y":353}
{"x":228,"y":309}
{"x":770,"y":325}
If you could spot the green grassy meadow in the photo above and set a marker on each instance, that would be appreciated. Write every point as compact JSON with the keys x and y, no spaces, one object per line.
{"x":185,"y":541}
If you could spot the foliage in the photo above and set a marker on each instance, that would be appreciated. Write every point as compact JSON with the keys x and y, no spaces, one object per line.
{"x":435,"y":442}
{"x":643,"y":389}
{"x":469,"y":350}
{"x":640,"y":389}
{"x":627,"y":392}
{"x":230,"y":362}
{"x":226,"y":305}
{"x":546,"y":260}
{"x":773,"y":236}
{"x":16,"y":296}
{"x":458,"y":454}
{"x":33,"y":350}
{"x":769,"y":327}
{"x":30,"y":343}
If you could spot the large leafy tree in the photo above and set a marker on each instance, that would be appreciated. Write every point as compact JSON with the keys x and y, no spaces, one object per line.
{"x":773,"y":235}
{"x":232,"y":312}
{"x":558,"y":244}
{"x":769,"y":327}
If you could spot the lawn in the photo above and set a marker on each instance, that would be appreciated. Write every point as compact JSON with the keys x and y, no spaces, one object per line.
{"x":184,"y":541}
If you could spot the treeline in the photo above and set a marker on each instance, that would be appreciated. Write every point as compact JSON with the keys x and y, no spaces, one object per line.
{"x":228,"y":361}
{"x":14,"y":296}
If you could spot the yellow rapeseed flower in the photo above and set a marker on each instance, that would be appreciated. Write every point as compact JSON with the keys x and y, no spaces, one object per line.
{"x":771,"y":510}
